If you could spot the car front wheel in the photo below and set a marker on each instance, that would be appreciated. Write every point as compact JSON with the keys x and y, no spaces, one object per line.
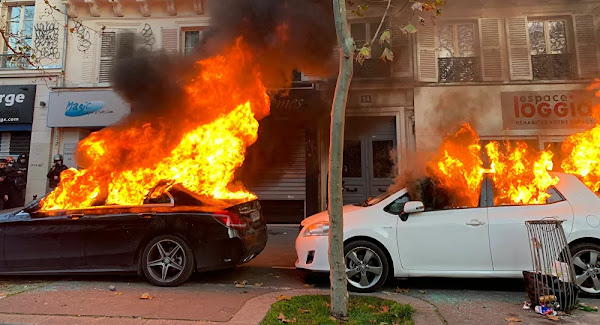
{"x":366,"y":266}
{"x":586,"y":260}
{"x":167,"y":261}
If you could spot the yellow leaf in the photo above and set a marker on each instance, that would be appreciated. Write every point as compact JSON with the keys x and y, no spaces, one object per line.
{"x":282,"y":318}
{"x":385,"y":36}
{"x":309,"y":285}
{"x":551,"y":317}
{"x":363,"y":54}
{"x":387,"y":55}
{"x":283,"y":297}
{"x":146,"y":296}
{"x":118,"y":293}
{"x":303,"y":311}
{"x":512,"y":319}
{"x":240,"y":285}
{"x":400,"y":290}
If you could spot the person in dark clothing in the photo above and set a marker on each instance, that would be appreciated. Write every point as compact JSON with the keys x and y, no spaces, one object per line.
{"x":54,"y":173}
{"x":7,"y":176}
{"x":17,"y":199}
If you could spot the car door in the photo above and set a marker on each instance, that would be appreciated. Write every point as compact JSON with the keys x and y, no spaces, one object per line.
{"x":111,"y":240}
{"x":446,"y":240}
{"x":47,"y":243}
{"x":509,"y":241}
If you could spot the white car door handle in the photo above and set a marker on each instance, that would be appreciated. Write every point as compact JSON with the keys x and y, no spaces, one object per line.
{"x":475,"y":222}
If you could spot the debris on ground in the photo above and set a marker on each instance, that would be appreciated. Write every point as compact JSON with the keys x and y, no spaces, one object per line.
{"x":283,"y":297}
{"x":240,"y":284}
{"x":146,"y":295}
{"x":543,"y":310}
{"x":118,"y":293}
{"x":309,"y":285}
{"x":112,"y":288}
{"x":512,"y":319}
{"x":282,"y":318}
{"x":258,"y":284}
{"x":400,"y":290}
{"x":526,"y":305}
{"x":586,"y":307}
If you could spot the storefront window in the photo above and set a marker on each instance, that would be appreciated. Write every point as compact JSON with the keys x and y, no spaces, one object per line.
{"x":457,"y":57}
{"x":19,"y":23}
{"x":550,"y":58}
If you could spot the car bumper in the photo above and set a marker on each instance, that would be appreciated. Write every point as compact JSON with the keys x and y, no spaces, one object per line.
{"x":312,"y":253}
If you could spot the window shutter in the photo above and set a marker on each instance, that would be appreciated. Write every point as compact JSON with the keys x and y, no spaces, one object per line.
{"x":491,"y":49}
{"x":170,"y":40}
{"x":125,"y":42}
{"x":519,"y":57}
{"x":88,"y":65}
{"x":401,"y":66}
{"x":427,"y":54}
{"x":108,"y":47}
{"x":585,"y":45}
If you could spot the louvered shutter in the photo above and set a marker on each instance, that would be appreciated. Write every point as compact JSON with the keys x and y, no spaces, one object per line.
{"x":427,"y":54}
{"x":585,"y":45}
{"x":401,"y":66}
{"x":519,"y":58}
{"x":170,"y":40}
{"x":88,"y":65}
{"x":491,"y":49}
{"x":108,"y":48}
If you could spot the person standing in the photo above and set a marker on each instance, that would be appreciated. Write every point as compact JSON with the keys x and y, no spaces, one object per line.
{"x":54,"y":173}
{"x":6,"y":176}
{"x":20,"y":181}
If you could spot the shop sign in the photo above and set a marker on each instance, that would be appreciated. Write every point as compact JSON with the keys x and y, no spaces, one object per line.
{"x":16,"y":104}
{"x":89,"y":108}
{"x":557,"y":109}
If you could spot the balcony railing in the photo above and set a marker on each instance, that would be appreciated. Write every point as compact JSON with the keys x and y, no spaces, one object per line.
{"x":459,"y":69}
{"x":13,"y":61}
{"x":552,"y":66}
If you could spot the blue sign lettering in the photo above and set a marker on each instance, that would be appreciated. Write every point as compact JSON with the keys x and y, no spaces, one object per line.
{"x":80,"y":109}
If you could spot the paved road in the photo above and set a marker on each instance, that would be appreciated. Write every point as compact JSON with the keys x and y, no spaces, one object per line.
{"x":214,"y":297}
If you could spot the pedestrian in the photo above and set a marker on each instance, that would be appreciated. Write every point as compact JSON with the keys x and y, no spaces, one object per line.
{"x":54,"y":173}
{"x":5,"y":179}
{"x":10,"y":161}
{"x":20,"y":182}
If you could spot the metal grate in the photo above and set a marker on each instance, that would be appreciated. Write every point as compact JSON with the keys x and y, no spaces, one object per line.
{"x":552,"y":281}
{"x":459,"y":69}
{"x":551,"y":66}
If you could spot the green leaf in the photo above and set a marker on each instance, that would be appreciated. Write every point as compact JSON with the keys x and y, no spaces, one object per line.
{"x":409,"y":29}
{"x":363,"y":7}
{"x":363,"y":54}
{"x":385,"y":36}
{"x":387,"y":55}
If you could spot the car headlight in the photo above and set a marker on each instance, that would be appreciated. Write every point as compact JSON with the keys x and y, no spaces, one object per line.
{"x":320,"y":228}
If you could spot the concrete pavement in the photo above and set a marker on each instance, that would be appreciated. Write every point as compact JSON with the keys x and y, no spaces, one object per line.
{"x":213,"y":298}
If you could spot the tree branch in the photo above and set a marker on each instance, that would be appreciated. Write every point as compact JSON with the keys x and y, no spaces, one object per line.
{"x":17,"y":53}
{"x":381,"y":22}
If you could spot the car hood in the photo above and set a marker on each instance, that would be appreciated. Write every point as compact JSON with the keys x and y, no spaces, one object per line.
{"x":324,"y":215}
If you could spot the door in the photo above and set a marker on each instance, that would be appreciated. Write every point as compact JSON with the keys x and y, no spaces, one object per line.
{"x":382,"y":150}
{"x":111,"y":240}
{"x":509,"y":241}
{"x":445,"y":240}
{"x":50,"y":243}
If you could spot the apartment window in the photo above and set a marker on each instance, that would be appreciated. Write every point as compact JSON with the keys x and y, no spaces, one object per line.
{"x":114,"y":43}
{"x":19,"y":24}
{"x":191,"y":39}
{"x":374,"y":67}
{"x":457,"y":58}
{"x":550,"y":58}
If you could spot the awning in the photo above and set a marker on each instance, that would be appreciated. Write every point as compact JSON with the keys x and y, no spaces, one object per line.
{"x":15,"y":127}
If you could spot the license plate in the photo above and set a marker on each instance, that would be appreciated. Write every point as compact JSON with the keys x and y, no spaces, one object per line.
{"x":254,"y":215}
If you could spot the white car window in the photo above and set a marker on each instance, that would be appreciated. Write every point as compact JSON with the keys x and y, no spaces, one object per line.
{"x":397,"y":206}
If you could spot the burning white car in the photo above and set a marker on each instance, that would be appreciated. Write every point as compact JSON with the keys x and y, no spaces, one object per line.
{"x":391,"y":235}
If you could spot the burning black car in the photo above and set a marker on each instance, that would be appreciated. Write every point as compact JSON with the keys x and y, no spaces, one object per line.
{"x":165,"y":239}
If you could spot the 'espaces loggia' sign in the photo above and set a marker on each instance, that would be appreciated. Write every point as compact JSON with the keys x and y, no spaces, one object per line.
{"x":557,"y":109}
{"x":16,"y":104}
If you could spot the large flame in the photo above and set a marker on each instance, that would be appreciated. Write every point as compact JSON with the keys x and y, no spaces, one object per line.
{"x":219,"y":123}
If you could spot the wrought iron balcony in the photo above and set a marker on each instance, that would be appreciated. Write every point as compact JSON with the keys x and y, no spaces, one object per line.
{"x":459,"y":69}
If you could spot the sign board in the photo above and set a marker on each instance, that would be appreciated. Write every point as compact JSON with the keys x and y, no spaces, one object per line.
{"x":557,"y":109}
{"x":16,"y":104}
{"x":88,"y":108}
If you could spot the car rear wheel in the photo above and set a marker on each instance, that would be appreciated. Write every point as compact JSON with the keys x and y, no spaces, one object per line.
{"x":366,"y":266}
{"x":586,"y":260}
{"x":167,"y":261}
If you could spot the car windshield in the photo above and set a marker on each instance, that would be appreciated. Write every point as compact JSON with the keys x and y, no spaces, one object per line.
{"x":375,"y":200}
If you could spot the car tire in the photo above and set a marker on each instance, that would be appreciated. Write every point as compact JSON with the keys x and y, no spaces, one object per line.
{"x":587,"y":274}
{"x":367,"y":266}
{"x":167,"y":261}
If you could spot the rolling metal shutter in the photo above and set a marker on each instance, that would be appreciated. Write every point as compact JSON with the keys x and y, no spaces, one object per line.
{"x":20,"y":143}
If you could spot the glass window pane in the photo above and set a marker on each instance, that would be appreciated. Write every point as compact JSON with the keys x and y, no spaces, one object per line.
{"x":29,"y":12}
{"x":537,"y":40}
{"x":359,"y":33}
{"x":446,"y":41}
{"x":466,"y":40}
{"x":558,"y":37}
{"x":27,"y":28}
{"x":352,"y":159}
{"x":191,"y":39}
{"x":14,"y":28}
{"x":15,"y":13}
{"x":383,"y":164}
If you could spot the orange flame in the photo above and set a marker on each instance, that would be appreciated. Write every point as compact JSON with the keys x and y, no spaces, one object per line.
{"x":220,"y":122}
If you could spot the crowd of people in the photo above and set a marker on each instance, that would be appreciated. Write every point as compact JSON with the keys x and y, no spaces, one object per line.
{"x":13,"y":180}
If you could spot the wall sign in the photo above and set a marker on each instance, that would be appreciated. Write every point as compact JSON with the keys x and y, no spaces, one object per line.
{"x":16,"y":104}
{"x":547,"y":109}
{"x":88,"y":108}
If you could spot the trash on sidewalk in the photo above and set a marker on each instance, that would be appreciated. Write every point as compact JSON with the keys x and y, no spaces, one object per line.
{"x":146,"y":296}
{"x":526,"y":305}
{"x":512,"y":319}
{"x":112,"y":288}
{"x":586,"y":307}
{"x":240,"y":284}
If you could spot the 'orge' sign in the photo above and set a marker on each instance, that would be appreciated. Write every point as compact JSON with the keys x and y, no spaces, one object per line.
{"x":547,"y":109}
{"x":16,"y":104}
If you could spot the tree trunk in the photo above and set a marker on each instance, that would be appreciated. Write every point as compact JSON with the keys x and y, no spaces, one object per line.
{"x":339,"y":292}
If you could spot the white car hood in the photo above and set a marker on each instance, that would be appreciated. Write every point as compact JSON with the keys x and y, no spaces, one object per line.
{"x":324,"y":215}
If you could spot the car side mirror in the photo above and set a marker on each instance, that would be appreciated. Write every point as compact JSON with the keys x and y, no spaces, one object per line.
{"x":413,"y":207}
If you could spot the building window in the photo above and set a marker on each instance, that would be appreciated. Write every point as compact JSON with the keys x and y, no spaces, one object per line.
{"x":191,"y":39}
{"x":19,"y":24}
{"x":374,"y":67}
{"x":457,"y":59}
{"x":550,"y":58}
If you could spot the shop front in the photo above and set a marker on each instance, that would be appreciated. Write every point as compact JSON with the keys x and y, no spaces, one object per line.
{"x":542,"y":116}
{"x":75,"y":113}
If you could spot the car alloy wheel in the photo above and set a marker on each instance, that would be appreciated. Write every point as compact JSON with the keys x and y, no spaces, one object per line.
{"x":364,"y":268}
{"x":167,"y":261}
{"x":587,"y":270}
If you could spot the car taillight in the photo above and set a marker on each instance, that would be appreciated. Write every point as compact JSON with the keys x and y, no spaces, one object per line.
{"x":230,"y":219}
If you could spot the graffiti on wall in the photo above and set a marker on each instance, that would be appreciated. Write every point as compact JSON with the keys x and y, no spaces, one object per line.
{"x":46,"y":41}
{"x":83,"y":36}
{"x":148,"y":38}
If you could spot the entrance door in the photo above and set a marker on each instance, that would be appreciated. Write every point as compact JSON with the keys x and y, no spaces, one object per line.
{"x":369,"y":151}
